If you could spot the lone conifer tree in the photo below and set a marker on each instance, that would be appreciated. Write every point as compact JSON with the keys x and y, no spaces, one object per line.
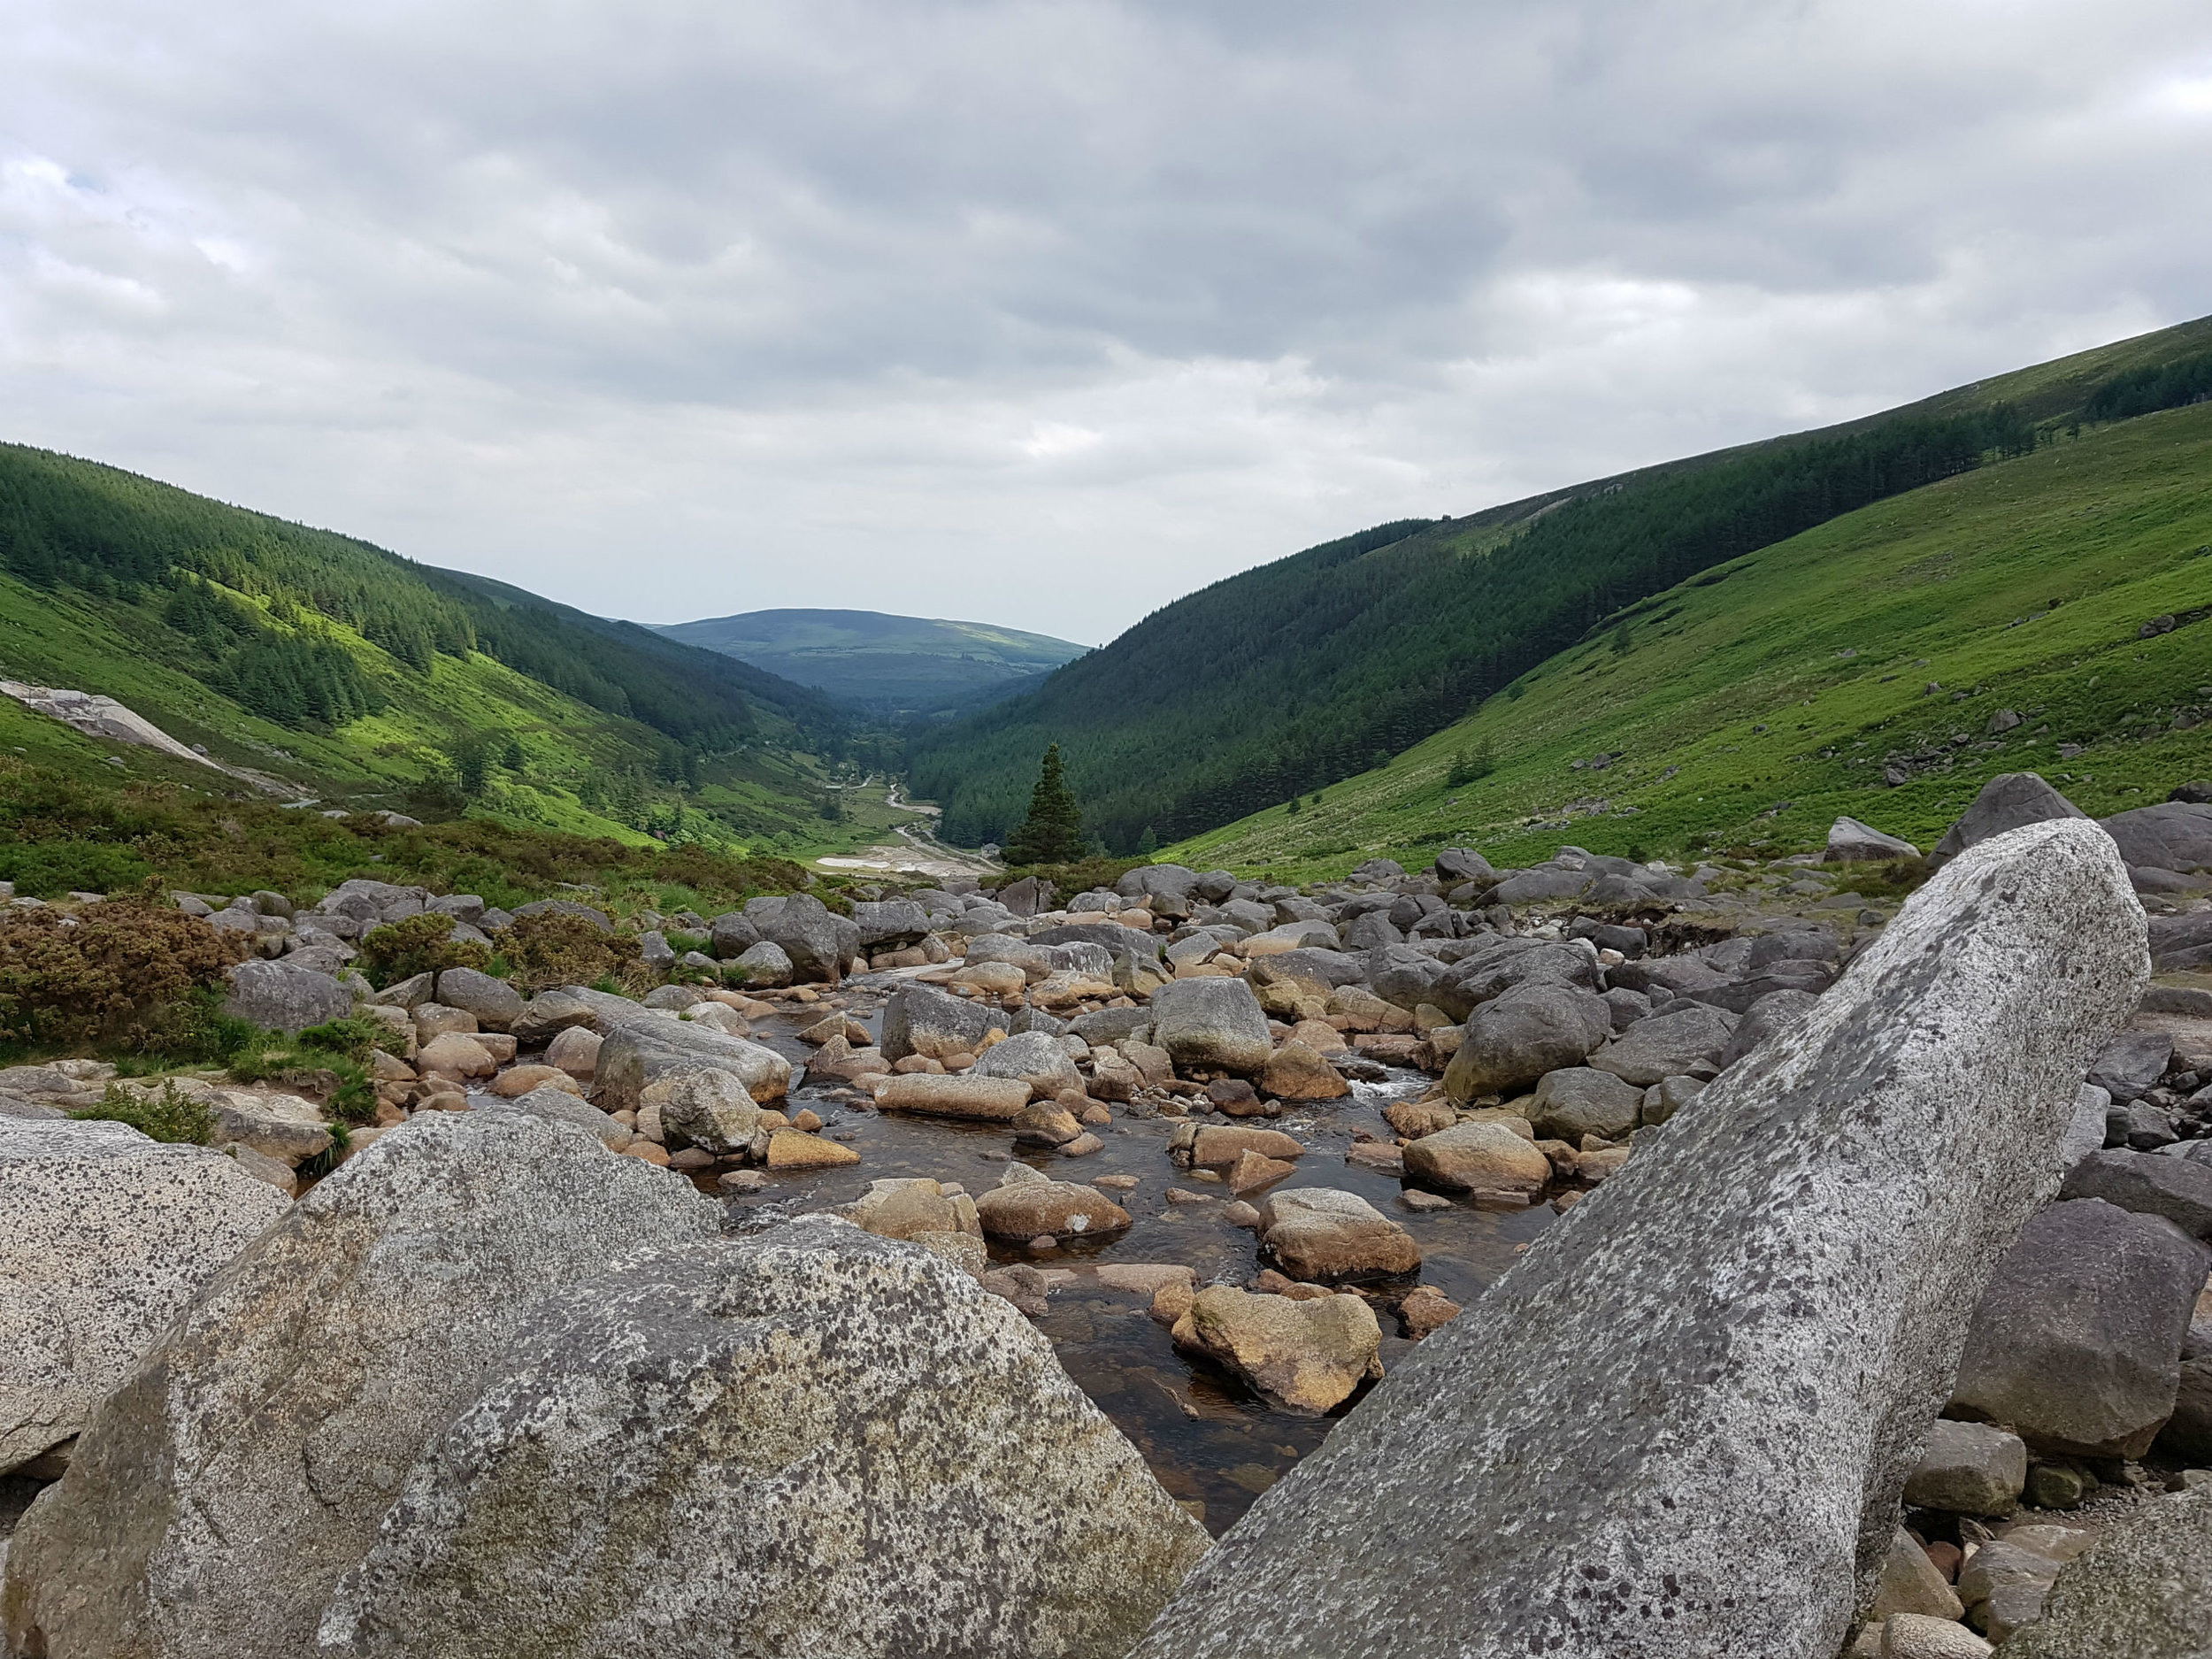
{"x":1053,"y":832}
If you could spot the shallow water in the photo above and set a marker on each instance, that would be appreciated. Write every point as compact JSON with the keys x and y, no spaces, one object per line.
{"x":1206,"y":1436}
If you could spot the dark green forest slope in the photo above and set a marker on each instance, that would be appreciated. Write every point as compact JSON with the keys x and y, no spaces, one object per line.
{"x":350,"y":673}
{"x":887,"y":664}
{"x":1285,"y":679}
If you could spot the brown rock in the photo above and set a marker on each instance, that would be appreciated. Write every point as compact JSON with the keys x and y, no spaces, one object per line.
{"x":1219,"y":1145}
{"x":1235,"y":1097}
{"x":992,"y":1099}
{"x":456,"y":1054}
{"x":1319,"y":1234}
{"x":651,"y":1151}
{"x":808,"y":1120}
{"x":520,"y":1079}
{"x":1427,"y":1309}
{"x":1416,"y":1119}
{"x":1318,"y":1035}
{"x":1253,"y":1171}
{"x":1025,"y":1210}
{"x":1173,"y":1300}
{"x":575,"y":1050}
{"x":1082,"y":1146}
{"x":1381,"y":1156}
{"x":1295,"y":1071}
{"x":796,"y":1150}
{"x":1045,"y":1123}
{"x":1309,"y":1357}
{"x":1485,"y":1157}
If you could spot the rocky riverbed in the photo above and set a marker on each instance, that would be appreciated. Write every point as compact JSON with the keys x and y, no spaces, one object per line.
{"x":1236,"y":1158}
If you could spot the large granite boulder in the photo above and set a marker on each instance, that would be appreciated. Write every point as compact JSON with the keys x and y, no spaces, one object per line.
{"x":557,"y":1105}
{"x":1211,"y":1024}
{"x":888,"y":925}
{"x":936,"y":1025}
{"x":644,"y":1048}
{"x":2144,"y":1589}
{"x":247,"y":1462}
{"x":104,"y":1236}
{"x":1850,"y":841}
{"x":819,"y":942}
{"x":279,"y":996}
{"x":2009,"y":801}
{"x":813,"y":1441}
{"x":1039,"y":1061}
{"x":1662,"y":1365}
{"x":2148,"y":1183}
{"x":1688,"y":1038}
{"x":1515,"y":1038}
{"x":1580,"y":1100}
{"x":2076,"y":1343}
{"x":496,"y":1004}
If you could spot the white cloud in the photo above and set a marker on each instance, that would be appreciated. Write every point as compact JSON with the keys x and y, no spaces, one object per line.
{"x":1041,"y":312}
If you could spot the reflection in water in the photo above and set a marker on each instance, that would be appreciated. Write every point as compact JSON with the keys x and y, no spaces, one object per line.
{"x":1209,"y":1439}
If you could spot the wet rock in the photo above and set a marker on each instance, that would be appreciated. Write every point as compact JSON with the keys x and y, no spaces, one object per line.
{"x":1029,"y":1209}
{"x":1307,"y":1356}
{"x":796,"y":1150}
{"x":2009,"y":801}
{"x":992,"y":1099}
{"x":1253,"y":1171}
{"x":294,"y":1394}
{"x":105,"y":1235}
{"x":1296,"y":1073}
{"x":1847,"y":1191}
{"x":627,"y":1424}
{"x":1580,"y":1101}
{"x":2143,"y":1589}
{"x":1045,"y":1124}
{"x":1424,"y":1311}
{"x":1478,"y":1157}
{"x":1969,"y":1469}
{"x":279,"y":996}
{"x":1319,"y":1235}
{"x":1518,"y":1036}
{"x":1212,"y":1024}
{"x":2076,"y":1343}
{"x":1215,"y":1147}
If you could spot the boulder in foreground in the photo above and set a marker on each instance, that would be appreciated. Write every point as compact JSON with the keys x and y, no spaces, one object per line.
{"x":1844,"y":1190}
{"x":289,"y":1401}
{"x":813,"y":1441}
{"x":104,"y":1236}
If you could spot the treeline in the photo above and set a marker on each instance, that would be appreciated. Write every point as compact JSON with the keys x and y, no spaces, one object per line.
{"x":2146,"y":390}
{"x":1286,"y":679}
{"x":76,"y":525}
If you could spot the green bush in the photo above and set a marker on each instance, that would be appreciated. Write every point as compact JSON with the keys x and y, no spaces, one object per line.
{"x":171,"y":1115}
{"x":50,"y":869}
{"x":419,"y":944}
{"x":550,"y":948}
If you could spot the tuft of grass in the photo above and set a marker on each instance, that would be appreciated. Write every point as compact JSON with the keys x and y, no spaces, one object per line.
{"x":170,"y":1116}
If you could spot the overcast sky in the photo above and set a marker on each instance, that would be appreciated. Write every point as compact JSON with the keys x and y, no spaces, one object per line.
{"x":1041,"y":313}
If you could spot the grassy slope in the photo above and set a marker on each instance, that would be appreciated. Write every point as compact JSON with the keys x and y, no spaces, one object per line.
{"x":1928,"y":586}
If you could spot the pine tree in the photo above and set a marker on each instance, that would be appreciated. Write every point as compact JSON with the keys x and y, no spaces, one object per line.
{"x":1149,"y":843}
{"x":1053,"y":832}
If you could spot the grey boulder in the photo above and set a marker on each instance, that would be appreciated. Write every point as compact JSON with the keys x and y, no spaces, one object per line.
{"x":1677,"y":1043}
{"x":643,"y":1049}
{"x":1514,"y":1038}
{"x":2009,"y":801}
{"x":1211,"y":1024}
{"x":278,"y":996}
{"x":105,"y":1236}
{"x":290,"y":1400}
{"x":1969,"y":1469}
{"x":766,"y":962}
{"x":2076,"y":1343}
{"x":2148,"y":1183}
{"x":1580,"y":1101}
{"x":936,"y":1025}
{"x":1038,"y":1060}
{"x":1844,"y":1191}
{"x":557,"y":1105}
{"x":496,"y":1004}
{"x":814,"y":1441}
{"x":819,"y":942}
{"x":889,"y":924}
{"x":2172,"y":835}
{"x":2131,"y":1064}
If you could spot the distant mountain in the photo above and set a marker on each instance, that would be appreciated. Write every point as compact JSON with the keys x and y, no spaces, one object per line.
{"x":1295,"y":675}
{"x":339,"y":670}
{"x":909,"y":663}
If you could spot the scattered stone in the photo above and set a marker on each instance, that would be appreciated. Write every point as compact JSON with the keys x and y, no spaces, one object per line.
{"x":2143,"y":1589}
{"x":2009,"y":801}
{"x":708,"y":1109}
{"x":1845,"y":1191}
{"x":559,"y":1105}
{"x":1579,"y":1100}
{"x":1037,"y":1206}
{"x":1969,"y":1469}
{"x":796,"y":1150}
{"x":991,"y":1099}
{"x":1320,"y":1235}
{"x":2148,"y":1183}
{"x":1253,"y":1171}
{"x":1921,"y":1636}
{"x":1211,"y":1024}
{"x":643,"y":1048}
{"x":1478,"y":1157}
{"x":1910,"y":1582}
{"x":1425,"y":1310}
{"x":1849,"y":841}
{"x":1515,"y":1038}
{"x":1296,"y":1073}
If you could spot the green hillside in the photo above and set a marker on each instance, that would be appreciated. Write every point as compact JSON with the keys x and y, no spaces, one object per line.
{"x":1291,"y":677}
{"x":905,"y":665}
{"x":348,"y":674}
{"x":1749,"y":706}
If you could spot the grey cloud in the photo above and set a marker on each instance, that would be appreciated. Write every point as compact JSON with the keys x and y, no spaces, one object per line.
{"x":1123,"y":295}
